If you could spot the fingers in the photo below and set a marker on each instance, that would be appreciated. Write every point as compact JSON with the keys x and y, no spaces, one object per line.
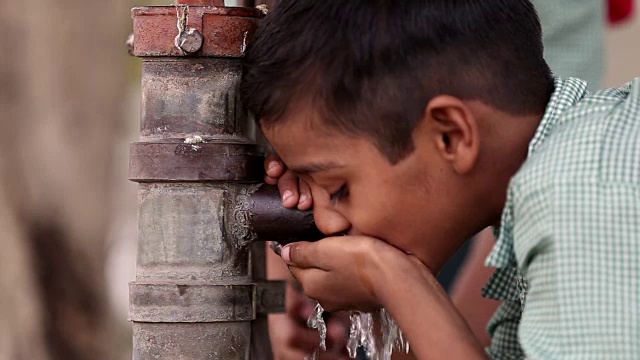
{"x":314,"y":283}
{"x":320,"y":254}
{"x":302,"y":255}
{"x":305,"y":202}
{"x":274,"y":168}
{"x":309,"y":276}
{"x":317,"y":254}
{"x":294,"y":191}
{"x":288,"y":187}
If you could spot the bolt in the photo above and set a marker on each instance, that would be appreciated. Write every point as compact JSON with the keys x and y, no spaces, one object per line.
{"x":189,"y":41}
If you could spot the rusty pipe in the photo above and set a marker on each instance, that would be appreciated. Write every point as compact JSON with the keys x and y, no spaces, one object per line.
{"x":200,"y":290}
{"x":271,"y":221}
{"x":201,"y":2}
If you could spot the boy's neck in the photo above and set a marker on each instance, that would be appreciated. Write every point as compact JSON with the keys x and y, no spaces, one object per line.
{"x":511,"y":146}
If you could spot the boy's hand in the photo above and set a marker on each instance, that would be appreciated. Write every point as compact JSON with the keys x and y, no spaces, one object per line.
{"x":294,"y":191}
{"x":345,"y":272}
{"x":362,"y":273}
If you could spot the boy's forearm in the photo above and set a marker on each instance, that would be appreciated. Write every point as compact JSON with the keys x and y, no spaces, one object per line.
{"x":426,"y":315}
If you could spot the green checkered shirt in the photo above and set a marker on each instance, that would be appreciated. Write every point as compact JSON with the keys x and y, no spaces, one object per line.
{"x":568,"y":249}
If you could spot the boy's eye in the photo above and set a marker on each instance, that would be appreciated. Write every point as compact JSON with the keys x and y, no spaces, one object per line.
{"x":342,"y":193}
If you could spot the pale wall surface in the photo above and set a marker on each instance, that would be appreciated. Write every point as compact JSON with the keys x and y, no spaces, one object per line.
{"x":623,"y":53}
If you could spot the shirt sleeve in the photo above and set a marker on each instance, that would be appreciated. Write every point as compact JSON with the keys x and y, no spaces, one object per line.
{"x":503,"y":329}
{"x":578,"y":245}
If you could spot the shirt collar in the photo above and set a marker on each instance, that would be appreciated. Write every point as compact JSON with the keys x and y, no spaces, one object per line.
{"x":566,"y":94}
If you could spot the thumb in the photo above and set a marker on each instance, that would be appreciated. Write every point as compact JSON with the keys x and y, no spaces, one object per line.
{"x":301,"y":255}
{"x":285,"y":253}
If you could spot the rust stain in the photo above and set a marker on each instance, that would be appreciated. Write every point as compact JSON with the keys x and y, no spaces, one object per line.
{"x":225,"y":30}
{"x":201,"y":2}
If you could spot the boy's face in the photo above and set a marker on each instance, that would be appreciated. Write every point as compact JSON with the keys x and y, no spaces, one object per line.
{"x":414,"y":205}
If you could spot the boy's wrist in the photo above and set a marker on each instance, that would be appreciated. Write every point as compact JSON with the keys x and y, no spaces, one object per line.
{"x":410,"y":291}
{"x":395,"y":271}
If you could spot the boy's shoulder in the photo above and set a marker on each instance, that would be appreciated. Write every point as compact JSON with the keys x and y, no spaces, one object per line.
{"x":573,"y":208}
{"x":597,"y":141}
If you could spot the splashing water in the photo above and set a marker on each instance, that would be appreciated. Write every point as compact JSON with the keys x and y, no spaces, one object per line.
{"x":392,"y":338}
{"x":316,"y":321}
{"x":363,"y":334}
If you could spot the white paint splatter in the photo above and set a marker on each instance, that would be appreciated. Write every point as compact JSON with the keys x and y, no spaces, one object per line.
{"x":244,"y":43}
{"x":195,"y":139}
{"x":264,"y":8}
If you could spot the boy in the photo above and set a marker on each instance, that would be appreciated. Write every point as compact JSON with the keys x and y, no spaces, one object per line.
{"x":414,"y":125}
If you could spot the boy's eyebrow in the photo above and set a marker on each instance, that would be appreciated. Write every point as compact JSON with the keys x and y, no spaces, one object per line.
{"x":314,"y":167}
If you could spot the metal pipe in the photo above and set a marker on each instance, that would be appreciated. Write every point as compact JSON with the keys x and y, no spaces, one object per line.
{"x":269,"y":220}
{"x":200,"y":290}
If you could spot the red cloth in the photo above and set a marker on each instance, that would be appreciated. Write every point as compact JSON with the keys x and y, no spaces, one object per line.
{"x":619,"y":10}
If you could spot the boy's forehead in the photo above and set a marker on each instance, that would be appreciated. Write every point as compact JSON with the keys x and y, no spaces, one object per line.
{"x":305,"y":148}
{"x":296,"y":143}
{"x":296,"y":130}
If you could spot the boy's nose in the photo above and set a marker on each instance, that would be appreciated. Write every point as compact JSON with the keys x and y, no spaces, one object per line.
{"x":330,"y":222}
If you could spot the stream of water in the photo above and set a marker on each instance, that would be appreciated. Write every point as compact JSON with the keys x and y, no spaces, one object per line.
{"x":363,"y":334}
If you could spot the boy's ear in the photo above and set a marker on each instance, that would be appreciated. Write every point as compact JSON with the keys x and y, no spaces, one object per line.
{"x":453,"y":128}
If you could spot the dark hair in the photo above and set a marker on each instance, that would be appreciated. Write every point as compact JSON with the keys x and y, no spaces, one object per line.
{"x":370,"y":67}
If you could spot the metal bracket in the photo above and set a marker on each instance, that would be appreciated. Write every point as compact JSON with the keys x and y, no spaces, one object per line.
{"x":171,"y":303}
{"x":270,"y":297}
